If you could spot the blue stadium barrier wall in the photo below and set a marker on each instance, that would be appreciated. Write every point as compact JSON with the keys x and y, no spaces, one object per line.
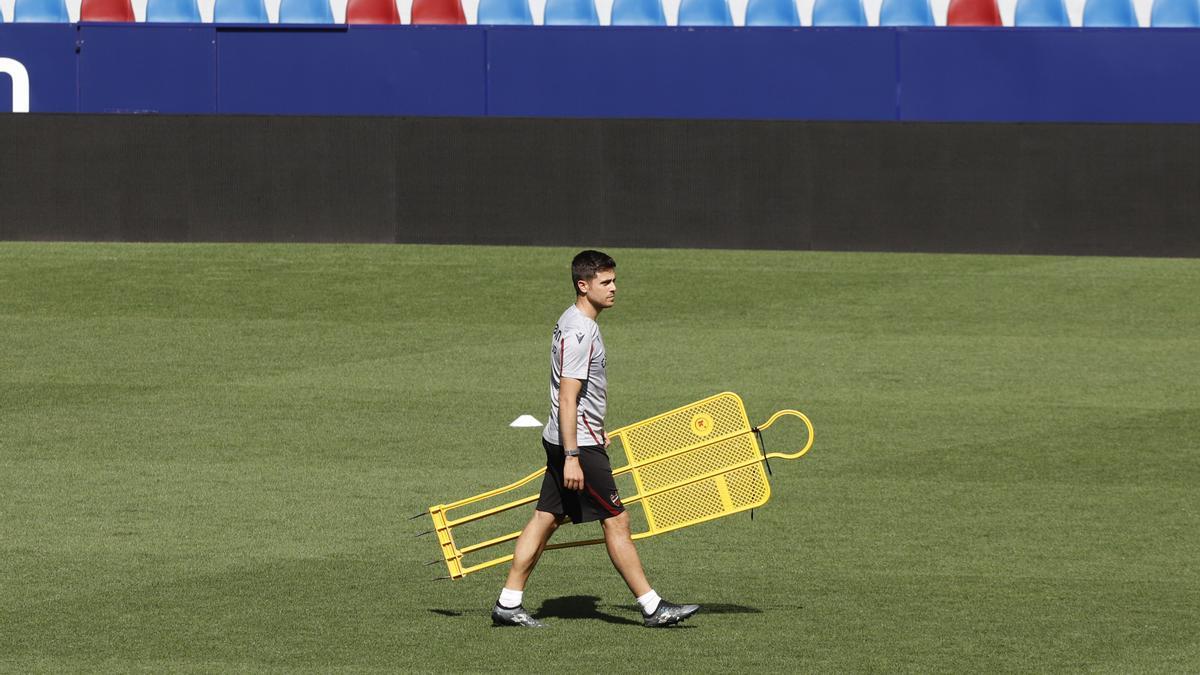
{"x":48,"y":53}
{"x":698,"y":73}
{"x":863,"y":74}
{"x":1106,"y":189}
{"x":361,"y":70}
{"x":125,"y":68}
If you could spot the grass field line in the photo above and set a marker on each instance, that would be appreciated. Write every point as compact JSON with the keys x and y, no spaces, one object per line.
{"x":460,"y":254}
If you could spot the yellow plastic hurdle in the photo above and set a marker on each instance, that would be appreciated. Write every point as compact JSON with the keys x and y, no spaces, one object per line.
{"x":690,"y":465}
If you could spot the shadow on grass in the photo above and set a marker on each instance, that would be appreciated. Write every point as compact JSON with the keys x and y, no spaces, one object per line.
{"x":588,"y":607}
{"x":579,"y":607}
{"x":725,"y":608}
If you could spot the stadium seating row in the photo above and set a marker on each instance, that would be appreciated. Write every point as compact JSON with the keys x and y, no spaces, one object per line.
{"x":1031,"y":13}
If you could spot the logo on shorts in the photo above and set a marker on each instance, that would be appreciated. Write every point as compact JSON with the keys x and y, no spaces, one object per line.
{"x":702,"y":424}
{"x":615,"y":499}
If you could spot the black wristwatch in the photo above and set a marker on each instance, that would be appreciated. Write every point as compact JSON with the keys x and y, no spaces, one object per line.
{"x":571,"y":453}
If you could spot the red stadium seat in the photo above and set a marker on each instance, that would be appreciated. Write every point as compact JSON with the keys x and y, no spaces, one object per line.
{"x":438,"y":11}
{"x":973,"y":13}
{"x":372,"y":11}
{"x":106,"y":10}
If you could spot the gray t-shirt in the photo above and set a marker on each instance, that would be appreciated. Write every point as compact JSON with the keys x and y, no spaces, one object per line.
{"x":578,"y":352}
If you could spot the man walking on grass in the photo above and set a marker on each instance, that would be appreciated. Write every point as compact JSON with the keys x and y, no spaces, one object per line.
{"x":579,"y":484}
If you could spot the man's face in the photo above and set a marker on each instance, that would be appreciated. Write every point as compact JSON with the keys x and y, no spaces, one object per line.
{"x":601,"y":290}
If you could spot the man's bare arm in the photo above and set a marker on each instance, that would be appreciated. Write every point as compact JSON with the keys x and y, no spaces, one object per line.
{"x":568,"y":411}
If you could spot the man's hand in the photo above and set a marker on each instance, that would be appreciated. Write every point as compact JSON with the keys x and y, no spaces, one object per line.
{"x":607,"y":440}
{"x":573,"y":474}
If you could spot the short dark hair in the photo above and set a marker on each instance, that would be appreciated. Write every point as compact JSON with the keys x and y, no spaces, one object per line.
{"x":586,"y":264}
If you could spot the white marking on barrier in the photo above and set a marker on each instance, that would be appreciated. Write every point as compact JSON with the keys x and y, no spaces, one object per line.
{"x":20,"y":83}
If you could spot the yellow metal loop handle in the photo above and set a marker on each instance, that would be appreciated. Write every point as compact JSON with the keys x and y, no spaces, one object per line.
{"x":807,"y":424}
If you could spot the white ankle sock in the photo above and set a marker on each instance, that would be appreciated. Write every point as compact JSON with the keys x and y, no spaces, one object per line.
{"x":510,"y":598}
{"x":649,"y":602}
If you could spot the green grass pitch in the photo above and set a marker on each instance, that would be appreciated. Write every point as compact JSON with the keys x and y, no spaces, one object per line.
{"x":208,"y":452}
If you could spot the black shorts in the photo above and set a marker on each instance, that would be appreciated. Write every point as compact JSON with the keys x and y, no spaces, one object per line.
{"x":599,"y":498}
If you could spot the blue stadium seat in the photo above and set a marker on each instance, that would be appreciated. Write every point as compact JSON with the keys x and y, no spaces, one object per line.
{"x":905,"y":13}
{"x":772,"y":13}
{"x":172,"y":11}
{"x":638,"y":13}
{"x":1175,"y":14}
{"x":305,"y":11}
{"x":839,"y":13}
{"x":1041,"y":13}
{"x":240,"y":11}
{"x":40,"y":11}
{"x":571,"y":13}
{"x":704,"y":13}
{"x":1109,"y":14}
{"x":505,"y":12}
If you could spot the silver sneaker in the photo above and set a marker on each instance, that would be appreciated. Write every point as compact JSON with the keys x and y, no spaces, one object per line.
{"x":669,"y":614}
{"x":514,"y":616}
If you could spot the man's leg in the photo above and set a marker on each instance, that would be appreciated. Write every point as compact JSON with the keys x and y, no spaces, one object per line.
{"x":655,"y":610}
{"x":624,"y":554}
{"x":509,"y":610}
{"x":529,"y":549}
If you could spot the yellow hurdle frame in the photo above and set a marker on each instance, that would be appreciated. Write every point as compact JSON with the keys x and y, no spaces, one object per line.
{"x":690,"y":465}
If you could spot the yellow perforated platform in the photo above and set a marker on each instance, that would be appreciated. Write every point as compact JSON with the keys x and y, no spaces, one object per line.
{"x":689,"y":465}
